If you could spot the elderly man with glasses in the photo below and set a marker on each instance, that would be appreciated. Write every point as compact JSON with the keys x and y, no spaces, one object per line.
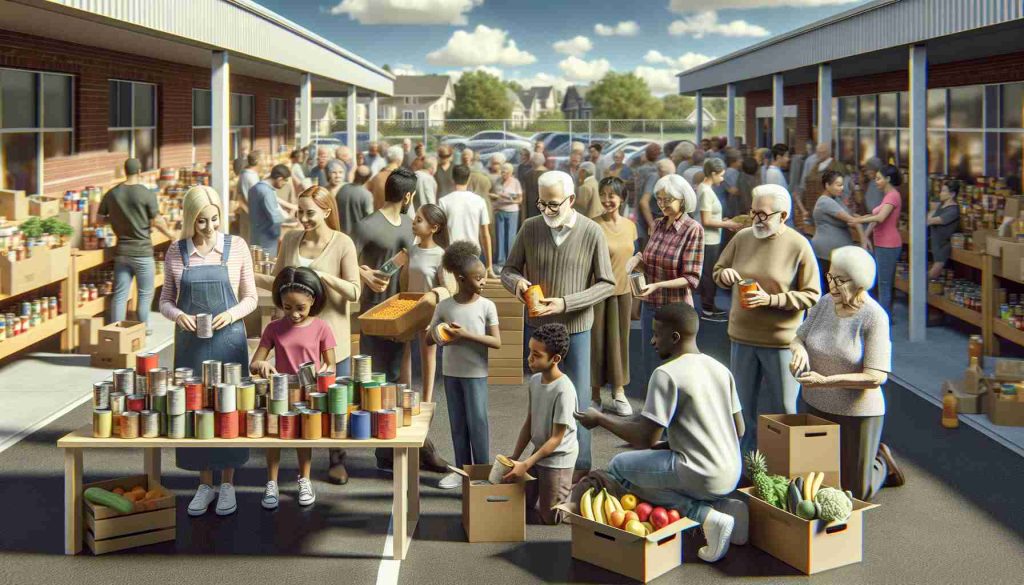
{"x":764,"y":318}
{"x":567,"y":255}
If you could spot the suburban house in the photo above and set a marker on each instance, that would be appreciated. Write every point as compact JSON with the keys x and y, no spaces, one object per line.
{"x":575,"y":105}
{"x":419,"y":97}
{"x":539,"y":100}
{"x":519,"y":115}
{"x":322,"y":118}
{"x":709,"y":118}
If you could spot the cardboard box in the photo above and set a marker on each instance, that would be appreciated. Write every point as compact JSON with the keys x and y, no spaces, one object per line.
{"x":31,"y":273}
{"x":810,"y":546}
{"x":1008,"y":368}
{"x":43,"y":207}
{"x":979,"y":240}
{"x":121,"y":337}
{"x":13,"y":205}
{"x":75,"y":219}
{"x":402,"y":328}
{"x":60,"y":262}
{"x":112,"y":361}
{"x":642,"y":558}
{"x":88,"y":333}
{"x":797,"y":444}
{"x":106,"y":530}
{"x":966,"y":403}
{"x":1004,"y":412}
{"x":492,"y":513}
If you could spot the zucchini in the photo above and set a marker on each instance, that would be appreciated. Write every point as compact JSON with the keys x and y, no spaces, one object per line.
{"x":799,"y":485}
{"x":794,"y":498}
{"x":103,"y":497}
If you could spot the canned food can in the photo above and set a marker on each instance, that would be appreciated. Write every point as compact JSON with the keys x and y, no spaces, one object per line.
{"x":129,"y":425}
{"x":225,"y":398}
{"x":194,"y":394}
{"x":146,"y":361}
{"x":246,"y":392}
{"x":176,"y":426}
{"x":272,"y":424}
{"x":324,"y":380}
{"x":158,"y":379}
{"x":124,"y":380}
{"x":102,"y":423}
{"x":339,"y":425}
{"x":318,"y":401}
{"x":387,"y":424}
{"x":295,"y":394}
{"x":406,"y":417}
{"x":279,"y":387}
{"x":637,"y":283}
{"x":204,"y":326}
{"x":181,"y":375}
{"x":307,"y":374}
{"x":136,"y":402}
{"x":226,"y":424}
{"x":370,"y":397}
{"x":359,"y":425}
{"x":232,"y":373}
{"x":176,"y":403}
{"x":312,"y":425}
{"x":205,"y":424}
{"x":747,"y":285}
{"x":255,"y":424}
{"x":533,"y":296}
{"x":277,"y":406}
{"x":101,"y":395}
{"x":501,"y":466}
{"x":150,"y":424}
{"x":211,"y":373}
{"x":388,"y":396}
{"x":288,"y":425}
{"x":262,"y":386}
{"x":141,"y":384}
{"x":362,"y":368}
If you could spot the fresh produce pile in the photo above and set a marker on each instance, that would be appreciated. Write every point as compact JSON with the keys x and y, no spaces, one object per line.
{"x":124,"y":501}
{"x":801,"y":496}
{"x":629,"y":513}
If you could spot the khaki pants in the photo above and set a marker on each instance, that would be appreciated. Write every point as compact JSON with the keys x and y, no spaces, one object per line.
{"x":551,"y":489}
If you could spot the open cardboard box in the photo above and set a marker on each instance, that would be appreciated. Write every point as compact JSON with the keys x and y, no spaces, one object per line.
{"x":797,"y":444}
{"x":43,"y":206}
{"x":13,"y":205}
{"x":492,"y":512}
{"x":642,"y":558}
{"x":121,"y":337}
{"x":810,"y":546}
{"x":401,"y":328}
{"x":106,"y":530}
{"x":1004,"y":412}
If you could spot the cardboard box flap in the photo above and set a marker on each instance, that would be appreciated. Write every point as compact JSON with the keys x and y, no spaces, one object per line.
{"x":620,"y":535}
{"x":467,"y":475}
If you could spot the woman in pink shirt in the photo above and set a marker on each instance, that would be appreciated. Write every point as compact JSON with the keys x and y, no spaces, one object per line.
{"x":884,"y":232}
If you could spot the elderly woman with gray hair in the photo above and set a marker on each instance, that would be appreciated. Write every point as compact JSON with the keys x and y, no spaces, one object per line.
{"x":672,"y":258}
{"x":764,"y":317}
{"x":842,"y":355}
{"x":507,"y":197}
{"x":709,"y":208}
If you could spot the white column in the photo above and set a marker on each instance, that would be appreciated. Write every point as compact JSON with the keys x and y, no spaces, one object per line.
{"x":305,"y":110}
{"x":778,"y":114}
{"x":918,"y":68}
{"x":730,"y":113}
{"x":373,"y":118}
{"x":698,"y":104}
{"x":825,"y":103}
{"x":351,"y":118}
{"x":220,"y":133}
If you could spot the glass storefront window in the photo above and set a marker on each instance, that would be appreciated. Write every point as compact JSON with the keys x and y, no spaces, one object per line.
{"x":887,"y":110}
{"x":887,"y":144}
{"x":56,"y":144}
{"x":937,"y":153}
{"x":1011,"y":148}
{"x":904,"y":109}
{"x":936,"y":108}
{"x":35,"y":110}
{"x":19,"y":99}
{"x":847,"y":146}
{"x":57,"y":101}
{"x":966,"y":105}
{"x":1011,"y":105}
{"x":966,"y":155}
{"x":848,"y":111}
{"x":133,"y":121}
{"x":18,"y":160}
{"x":145,"y":147}
{"x":904,"y":148}
{"x":120,"y":141}
{"x":202,"y":108}
{"x":866,"y":116}
{"x":866,"y":143}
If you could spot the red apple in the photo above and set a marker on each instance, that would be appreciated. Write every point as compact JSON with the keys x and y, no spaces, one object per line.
{"x":643,"y":510}
{"x":673,"y":515}
{"x":659,"y":518}
{"x":630,"y":515}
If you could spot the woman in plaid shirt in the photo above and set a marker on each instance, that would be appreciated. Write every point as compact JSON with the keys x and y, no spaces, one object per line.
{"x":672,"y":259}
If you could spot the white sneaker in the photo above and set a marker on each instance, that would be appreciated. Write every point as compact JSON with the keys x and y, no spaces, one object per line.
{"x":451,"y":481}
{"x":271,"y":498}
{"x":620,"y":406}
{"x":740,"y":514}
{"x":226,"y":505}
{"x":306,"y":494}
{"x":717,"y":529}
{"x":596,"y":405}
{"x":201,"y":501}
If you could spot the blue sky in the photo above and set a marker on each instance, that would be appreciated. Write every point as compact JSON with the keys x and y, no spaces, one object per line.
{"x":515,"y":38}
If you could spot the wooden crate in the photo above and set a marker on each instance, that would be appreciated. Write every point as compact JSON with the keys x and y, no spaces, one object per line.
{"x":505,"y":381}
{"x":511,"y":324}
{"x":106,"y":530}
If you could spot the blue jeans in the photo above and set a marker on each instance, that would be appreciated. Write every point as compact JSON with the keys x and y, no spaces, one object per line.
{"x":649,"y":357}
{"x":651,"y":475}
{"x":576,"y":365}
{"x":886,"y":259}
{"x":762,"y":368}
{"x":467,"y":415}
{"x":126,"y":267}
{"x":507,"y":226}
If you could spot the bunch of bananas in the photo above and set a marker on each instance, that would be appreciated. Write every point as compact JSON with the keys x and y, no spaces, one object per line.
{"x":599,"y":508}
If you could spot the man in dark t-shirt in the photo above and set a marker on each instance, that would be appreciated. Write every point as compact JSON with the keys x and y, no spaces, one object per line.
{"x":132,"y":209}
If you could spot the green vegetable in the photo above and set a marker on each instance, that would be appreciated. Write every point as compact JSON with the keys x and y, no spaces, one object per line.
{"x":103,"y":497}
{"x":806,"y":510}
{"x":799,"y":484}
{"x":770,"y":488}
{"x":794,"y":498}
{"x":833,"y":505}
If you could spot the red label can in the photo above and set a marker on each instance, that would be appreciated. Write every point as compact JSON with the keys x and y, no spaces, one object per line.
{"x":324,"y":380}
{"x":136,"y":402}
{"x":226,"y":424}
{"x":387,"y":422}
{"x":144,"y":362}
{"x":194,"y":391}
{"x":288,"y":425}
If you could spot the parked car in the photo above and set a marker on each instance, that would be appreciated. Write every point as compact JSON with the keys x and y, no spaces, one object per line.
{"x":627,"y":145}
{"x":496,"y":135}
{"x":511,"y":156}
{"x":362,"y":139}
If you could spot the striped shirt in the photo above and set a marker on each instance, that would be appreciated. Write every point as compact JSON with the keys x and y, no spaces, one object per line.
{"x":674,"y":251}
{"x":240,"y":273}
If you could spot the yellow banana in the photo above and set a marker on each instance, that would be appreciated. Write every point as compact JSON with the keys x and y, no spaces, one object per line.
{"x":586,"y":509}
{"x":609,"y":507}
{"x":817,"y":483}
{"x":616,"y":502}
{"x":599,"y":508}
{"x":808,"y":485}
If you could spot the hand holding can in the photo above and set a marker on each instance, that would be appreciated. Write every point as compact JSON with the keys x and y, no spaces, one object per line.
{"x":747,"y":285}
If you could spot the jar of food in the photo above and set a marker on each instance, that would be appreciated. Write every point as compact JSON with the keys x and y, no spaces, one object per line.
{"x":975,"y":348}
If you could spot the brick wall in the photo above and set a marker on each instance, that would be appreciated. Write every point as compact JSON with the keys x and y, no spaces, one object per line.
{"x":1000,"y":69}
{"x":93,"y":68}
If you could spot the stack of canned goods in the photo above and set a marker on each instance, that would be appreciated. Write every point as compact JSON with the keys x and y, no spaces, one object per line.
{"x":28,"y":314}
{"x":1012,"y":311}
{"x":98,"y":238}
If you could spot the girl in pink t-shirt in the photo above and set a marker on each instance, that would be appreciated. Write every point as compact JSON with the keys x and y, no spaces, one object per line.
{"x":296,"y":338}
{"x":884,"y":232}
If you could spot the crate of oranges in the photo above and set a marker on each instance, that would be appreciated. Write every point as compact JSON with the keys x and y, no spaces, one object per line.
{"x":399,"y":317}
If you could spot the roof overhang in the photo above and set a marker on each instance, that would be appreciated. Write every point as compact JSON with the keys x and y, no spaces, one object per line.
{"x":872,"y":38}
{"x":260,"y":43}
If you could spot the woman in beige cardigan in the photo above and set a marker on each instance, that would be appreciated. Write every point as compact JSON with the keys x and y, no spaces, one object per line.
{"x":321,"y":247}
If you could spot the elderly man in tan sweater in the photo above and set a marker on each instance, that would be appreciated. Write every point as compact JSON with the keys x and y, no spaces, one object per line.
{"x":763,"y":322}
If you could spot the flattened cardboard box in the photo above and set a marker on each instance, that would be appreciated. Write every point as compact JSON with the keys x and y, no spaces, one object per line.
{"x":492,"y":513}
{"x":642,"y":558}
{"x":810,"y":546}
{"x":797,"y":444}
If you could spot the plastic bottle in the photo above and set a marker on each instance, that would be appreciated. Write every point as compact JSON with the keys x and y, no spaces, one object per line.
{"x":972,"y":377}
{"x":949,"y":411}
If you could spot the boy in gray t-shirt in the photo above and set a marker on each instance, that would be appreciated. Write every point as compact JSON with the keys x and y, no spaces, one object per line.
{"x":549,"y":426}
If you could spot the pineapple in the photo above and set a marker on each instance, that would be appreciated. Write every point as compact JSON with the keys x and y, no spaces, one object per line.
{"x":757,"y":469}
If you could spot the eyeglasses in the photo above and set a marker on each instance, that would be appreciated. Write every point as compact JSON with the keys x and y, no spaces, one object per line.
{"x":665,"y":201}
{"x":761,"y":216}
{"x":835,"y":280}
{"x":552,"y":207}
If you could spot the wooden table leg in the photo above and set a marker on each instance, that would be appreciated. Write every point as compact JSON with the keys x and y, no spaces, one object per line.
{"x":72,"y":501}
{"x":400,"y":514}
{"x":414,"y":486}
{"x":152,"y":466}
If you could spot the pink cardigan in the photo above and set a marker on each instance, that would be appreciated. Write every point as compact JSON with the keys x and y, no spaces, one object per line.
{"x":240,"y":273}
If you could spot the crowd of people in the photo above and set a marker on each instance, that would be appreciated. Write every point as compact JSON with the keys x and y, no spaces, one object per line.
{"x":608,"y":243}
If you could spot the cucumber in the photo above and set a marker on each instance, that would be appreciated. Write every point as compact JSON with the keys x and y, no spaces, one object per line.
{"x":794,"y":498}
{"x":103,"y":497}
{"x":800,"y":485}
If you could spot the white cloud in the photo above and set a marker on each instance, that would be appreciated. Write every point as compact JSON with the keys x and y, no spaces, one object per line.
{"x":483,"y":46}
{"x":695,"y":5}
{"x":575,"y":46}
{"x":706,"y":23}
{"x":576,"y":69}
{"x":405,"y":69}
{"x":417,"y":12}
{"x":626,"y":28}
{"x":456,"y":74}
{"x":660,"y":81}
{"x":685,"y":61}
{"x":543,"y":80}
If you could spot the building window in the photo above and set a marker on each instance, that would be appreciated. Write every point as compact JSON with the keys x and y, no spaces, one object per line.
{"x":407,"y":115}
{"x":278,"y":125}
{"x":36,"y":123}
{"x":242,"y":122}
{"x":202,"y":122}
{"x":132,"y":123}
{"x":421,"y":115}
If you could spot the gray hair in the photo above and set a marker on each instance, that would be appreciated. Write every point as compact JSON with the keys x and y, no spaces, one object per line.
{"x":713,"y":165}
{"x":683,"y":150}
{"x":665,"y":166}
{"x":538,"y":159}
{"x":675,"y":186}
{"x":781,"y":199}
{"x":856,"y":262}
{"x":498,"y":158}
{"x":698,"y":156}
{"x":430,"y":163}
{"x":395,"y":154}
{"x":557,"y":178}
{"x":507,"y":167}
{"x":589,"y":168}
{"x":577,"y":146}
